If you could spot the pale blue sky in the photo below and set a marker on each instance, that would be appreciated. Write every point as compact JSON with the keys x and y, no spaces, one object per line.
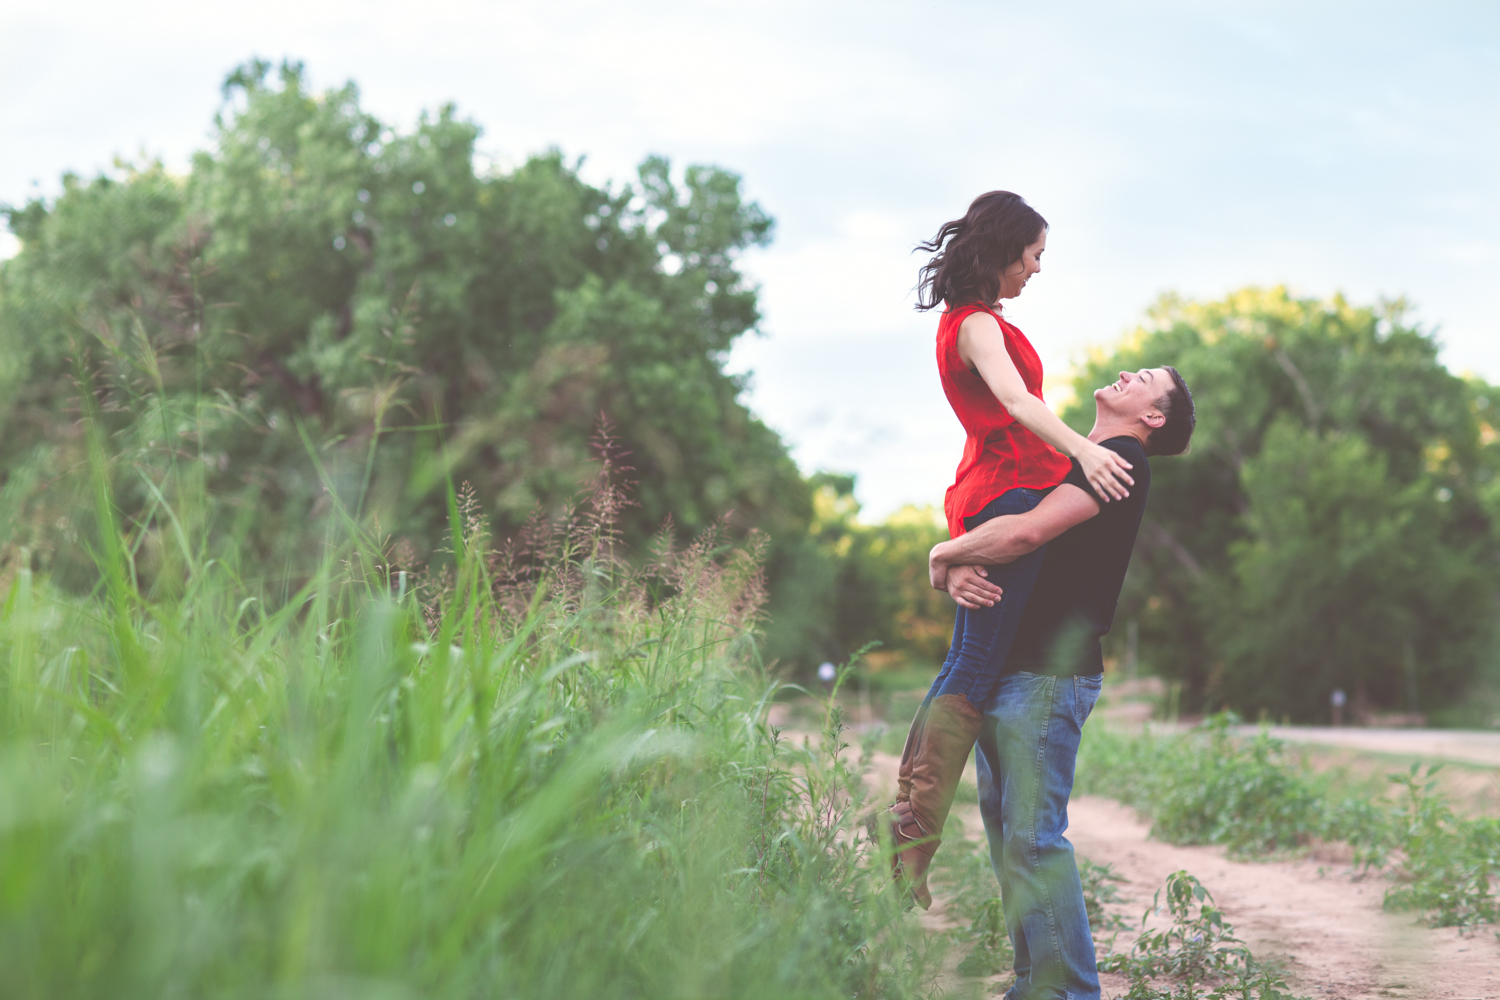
{"x":1186,"y":146}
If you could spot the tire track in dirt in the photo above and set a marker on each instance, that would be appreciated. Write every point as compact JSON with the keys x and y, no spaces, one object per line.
{"x":1327,"y":928}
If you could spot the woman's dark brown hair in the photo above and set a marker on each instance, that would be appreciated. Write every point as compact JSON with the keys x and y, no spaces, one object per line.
{"x":969,"y":253}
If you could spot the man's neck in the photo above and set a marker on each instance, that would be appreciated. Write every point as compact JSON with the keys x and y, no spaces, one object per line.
{"x":1104,"y":429}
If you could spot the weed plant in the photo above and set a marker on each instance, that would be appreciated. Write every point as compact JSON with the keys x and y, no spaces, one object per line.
{"x":1209,"y":787}
{"x":1196,"y":948}
{"x":1197,"y":945}
{"x":542,"y":772}
{"x":972,"y":898}
{"x":1451,"y":867}
{"x":1099,"y":892}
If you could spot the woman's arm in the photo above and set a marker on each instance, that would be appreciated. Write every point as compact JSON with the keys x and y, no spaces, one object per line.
{"x":981,"y":345}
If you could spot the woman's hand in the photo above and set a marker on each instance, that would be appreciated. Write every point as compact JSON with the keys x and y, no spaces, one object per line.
{"x":1106,"y":471}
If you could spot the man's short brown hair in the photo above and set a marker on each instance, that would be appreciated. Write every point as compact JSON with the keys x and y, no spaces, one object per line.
{"x":1176,"y":404}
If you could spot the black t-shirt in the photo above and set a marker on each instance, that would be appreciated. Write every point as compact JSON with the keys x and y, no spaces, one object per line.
{"x":1073,"y":602}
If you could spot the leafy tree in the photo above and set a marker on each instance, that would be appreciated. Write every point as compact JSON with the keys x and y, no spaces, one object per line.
{"x":326,"y":311}
{"x":1346,"y":580}
{"x":857,"y":583}
{"x":1332,"y":525}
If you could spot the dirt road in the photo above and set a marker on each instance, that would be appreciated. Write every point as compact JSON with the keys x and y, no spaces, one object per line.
{"x":1469,"y":746}
{"x":1328,"y":928}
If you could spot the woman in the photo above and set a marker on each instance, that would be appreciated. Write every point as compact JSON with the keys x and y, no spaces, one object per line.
{"x":1016,"y":451}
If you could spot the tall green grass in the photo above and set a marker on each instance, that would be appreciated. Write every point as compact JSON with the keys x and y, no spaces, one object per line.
{"x":545,"y":772}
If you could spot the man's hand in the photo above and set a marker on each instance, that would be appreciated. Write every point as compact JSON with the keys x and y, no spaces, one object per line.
{"x":937,"y":573}
{"x":967,"y":585}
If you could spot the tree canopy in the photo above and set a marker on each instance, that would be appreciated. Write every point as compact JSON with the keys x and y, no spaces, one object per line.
{"x":321,"y":289}
{"x":1332,"y":525}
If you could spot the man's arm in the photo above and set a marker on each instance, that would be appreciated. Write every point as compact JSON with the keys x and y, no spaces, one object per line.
{"x":1006,"y":538}
{"x":1003,"y":539}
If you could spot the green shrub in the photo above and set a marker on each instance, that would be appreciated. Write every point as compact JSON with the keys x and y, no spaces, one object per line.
{"x":1240,"y":793}
{"x":1196,"y":948}
{"x":1209,"y":787}
{"x":972,"y":899}
{"x":1451,"y":869}
{"x":1098,"y":892}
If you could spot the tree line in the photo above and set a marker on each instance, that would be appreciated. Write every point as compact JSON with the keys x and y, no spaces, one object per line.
{"x":1334,"y":525}
{"x":326,"y":316}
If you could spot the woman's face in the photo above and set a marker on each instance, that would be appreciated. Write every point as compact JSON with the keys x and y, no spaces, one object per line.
{"x":1014,"y":278}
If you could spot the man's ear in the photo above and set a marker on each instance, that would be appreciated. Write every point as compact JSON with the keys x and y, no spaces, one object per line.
{"x":1153,"y":418}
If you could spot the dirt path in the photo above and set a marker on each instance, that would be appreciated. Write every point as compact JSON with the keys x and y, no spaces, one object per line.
{"x":1327,"y":928}
{"x":1469,"y":746}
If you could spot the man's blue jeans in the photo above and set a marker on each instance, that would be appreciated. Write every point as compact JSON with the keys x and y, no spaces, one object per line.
{"x":1027,"y":747}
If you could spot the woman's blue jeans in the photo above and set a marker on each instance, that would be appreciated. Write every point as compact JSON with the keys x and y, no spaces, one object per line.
{"x":981,"y":639}
{"x":1028,"y":745}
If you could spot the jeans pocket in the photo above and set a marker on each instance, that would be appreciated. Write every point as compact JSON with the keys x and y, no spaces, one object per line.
{"x":1086,"y":691}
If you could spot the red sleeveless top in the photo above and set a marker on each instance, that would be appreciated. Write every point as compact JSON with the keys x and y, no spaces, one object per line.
{"x":1000,"y":454}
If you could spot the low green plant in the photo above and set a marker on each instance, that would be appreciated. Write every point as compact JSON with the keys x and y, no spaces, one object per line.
{"x":1197,"y":945}
{"x":1197,"y":948}
{"x":1368,"y":825}
{"x":972,"y":898}
{"x":1210,"y":786}
{"x":1451,"y":868}
{"x":1099,"y":892}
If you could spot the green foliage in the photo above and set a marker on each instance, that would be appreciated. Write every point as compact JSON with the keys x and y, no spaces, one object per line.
{"x":1099,"y":892}
{"x":1451,"y":866}
{"x":1198,"y":947}
{"x":1331,"y":526}
{"x":321,"y":288}
{"x":972,"y":898}
{"x":1211,"y":787}
{"x":542,"y":773}
{"x":857,"y":583}
{"x":319,"y":277}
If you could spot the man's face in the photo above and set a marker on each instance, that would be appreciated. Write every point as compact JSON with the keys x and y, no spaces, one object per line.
{"x":1134,"y":395}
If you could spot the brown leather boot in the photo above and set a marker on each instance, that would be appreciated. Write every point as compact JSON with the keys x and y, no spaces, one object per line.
{"x":903,"y":787}
{"x":947,"y":736}
{"x":909,"y":753}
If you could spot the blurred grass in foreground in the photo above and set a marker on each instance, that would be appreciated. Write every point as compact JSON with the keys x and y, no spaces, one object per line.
{"x":545,"y":773}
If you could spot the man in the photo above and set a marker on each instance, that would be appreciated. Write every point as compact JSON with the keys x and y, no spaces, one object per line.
{"x":1029,"y":740}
